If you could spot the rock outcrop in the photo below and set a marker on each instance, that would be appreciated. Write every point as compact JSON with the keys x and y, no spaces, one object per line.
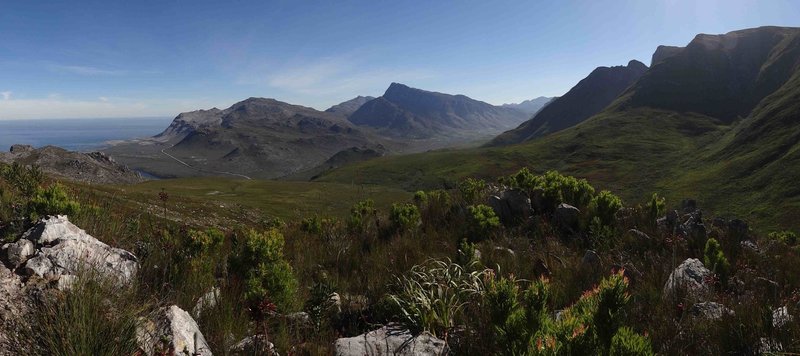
{"x":93,"y":167}
{"x":688,"y":280}
{"x":511,"y":206}
{"x":57,"y":248}
{"x":391,"y":340}
{"x":174,"y":331}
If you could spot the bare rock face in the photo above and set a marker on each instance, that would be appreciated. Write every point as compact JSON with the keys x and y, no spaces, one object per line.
{"x":511,"y":206}
{"x":710,"y":310}
{"x":391,"y":340}
{"x":689,"y":279}
{"x":94,"y":167}
{"x":172,"y":330}
{"x":63,"y":249}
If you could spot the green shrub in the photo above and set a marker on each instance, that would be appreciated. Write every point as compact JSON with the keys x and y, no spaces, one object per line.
{"x":52,"y":200}
{"x":628,"y":343}
{"x":715,"y":260}
{"x":26,"y":180}
{"x":787,"y":237}
{"x":439,"y":203}
{"x":605,"y":206}
{"x":405,"y":217}
{"x":420,"y":198}
{"x":361,"y":215}
{"x":553,"y":188}
{"x":482,"y":220}
{"x":656,"y":208}
{"x":267,"y":275}
{"x":201,"y":242}
{"x":466,"y":255}
{"x":472,"y":189}
{"x":312,"y":225}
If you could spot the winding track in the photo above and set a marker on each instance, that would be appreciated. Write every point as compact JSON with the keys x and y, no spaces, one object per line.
{"x":200,"y":169}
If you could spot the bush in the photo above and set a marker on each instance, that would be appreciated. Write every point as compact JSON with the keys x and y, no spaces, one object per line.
{"x":482,"y":220}
{"x":605,"y":206}
{"x":656,"y":208}
{"x":553,"y":188}
{"x":786,"y":237}
{"x":404,"y":217}
{"x":312,"y":225}
{"x":471,"y":190}
{"x":361,"y":214}
{"x":715,"y":260}
{"x":52,"y":200}
{"x":628,"y":343}
{"x":267,"y":275}
{"x":420,"y":198}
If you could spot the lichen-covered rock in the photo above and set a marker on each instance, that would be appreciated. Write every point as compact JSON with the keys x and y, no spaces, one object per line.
{"x":207,"y":301}
{"x":172,"y":330}
{"x":689,"y":279}
{"x":19,"y":252}
{"x":391,"y":340}
{"x":511,"y":206}
{"x":65,"y":249}
{"x":710,"y":310}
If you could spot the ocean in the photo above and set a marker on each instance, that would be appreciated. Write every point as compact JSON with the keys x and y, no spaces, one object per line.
{"x":77,"y":134}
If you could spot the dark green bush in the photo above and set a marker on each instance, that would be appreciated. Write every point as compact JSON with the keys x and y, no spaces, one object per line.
{"x":362,"y":215}
{"x":482,"y":221}
{"x":628,"y":343}
{"x":405,"y":217}
{"x":605,"y":206}
{"x":267,"y":275}
{"x":656,"y":208}
{"x":715,"y":260}
{"x":787,"y":237}
{"x":472,"y":190}
{"x":52,"y":200}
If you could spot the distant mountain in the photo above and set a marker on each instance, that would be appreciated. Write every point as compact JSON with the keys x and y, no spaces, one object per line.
{"x":531,"y":106}
{"x":93,"y":167}
{"x":717,"y":121}
{"x":413,"y":113}
{"x":257,"y":137}
{"x":590,"y":96}
{"x":664,"y":52}
{"x":348,"y":107}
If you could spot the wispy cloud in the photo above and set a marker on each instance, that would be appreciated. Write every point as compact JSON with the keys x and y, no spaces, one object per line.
{"x":84,"y":70}
{"x":6,"y":95}
{"x":329,"y":79}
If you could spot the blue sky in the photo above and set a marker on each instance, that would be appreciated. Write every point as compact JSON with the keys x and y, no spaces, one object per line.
{"x":158,"y":58}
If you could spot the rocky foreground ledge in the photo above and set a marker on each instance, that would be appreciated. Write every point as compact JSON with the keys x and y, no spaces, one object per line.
{"x":51,"y":256}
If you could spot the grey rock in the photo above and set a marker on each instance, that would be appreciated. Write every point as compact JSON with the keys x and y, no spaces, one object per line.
{"x":20,"y":149}
{"x":254,"y":345}
{"x":172,"y":329}
{"x":65,"y":249}
{"x":391,"y":340}
{"x":567,"y":215}
{"x":19,"y":252}
{"x":769,"y":346}
{"x":710,"y":310}
{"x":207,"y":301}
{"x":690,"y":278}
{"x":639,"y":234}
{"x":749,"y":245}
{"x":511,"y":206}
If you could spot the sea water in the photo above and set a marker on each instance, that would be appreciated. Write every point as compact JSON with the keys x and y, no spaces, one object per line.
{"x":77,"y":134}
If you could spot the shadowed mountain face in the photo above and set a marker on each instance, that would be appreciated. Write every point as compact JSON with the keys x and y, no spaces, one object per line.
{"x":591,"y":95}
{"x":722,"y":76}
{"x":531,"y":106}
{"x":413,"y":113}
{"x":348,"y":107}
{"x":93,"y":167}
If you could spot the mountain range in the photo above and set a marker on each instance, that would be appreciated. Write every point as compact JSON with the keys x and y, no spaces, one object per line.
{"x":717,"y":120}
{"x":531,"y":106}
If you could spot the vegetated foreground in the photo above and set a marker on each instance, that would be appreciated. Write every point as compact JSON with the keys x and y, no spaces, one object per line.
{"x":536,"y":264}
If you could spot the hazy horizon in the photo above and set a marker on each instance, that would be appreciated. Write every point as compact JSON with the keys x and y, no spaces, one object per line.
{"x":119,"y":60}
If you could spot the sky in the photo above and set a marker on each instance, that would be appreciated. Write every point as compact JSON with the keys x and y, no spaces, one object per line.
{"x":82,"y":59}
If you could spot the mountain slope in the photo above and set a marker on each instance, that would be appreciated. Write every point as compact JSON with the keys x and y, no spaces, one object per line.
{"x":591,"y":95}
{"x":92,"y":167}
{"x":413,"y":113}
{"x":347,"y":108}
{"x":256,"y":137}
{"x":531,"y":106}
{"x":679,"y":146}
